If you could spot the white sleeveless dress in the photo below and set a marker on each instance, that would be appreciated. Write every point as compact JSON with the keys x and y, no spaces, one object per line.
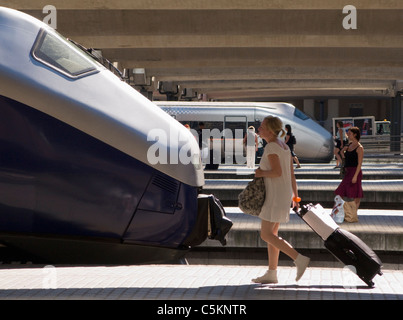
{"x":276,"y":207}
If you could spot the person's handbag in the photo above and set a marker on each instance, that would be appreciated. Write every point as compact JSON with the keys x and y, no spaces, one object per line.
{"x":350,"y":211}
{"x":337,"y":213}
{"x":343,"y":168}
{"x":251,"y":199}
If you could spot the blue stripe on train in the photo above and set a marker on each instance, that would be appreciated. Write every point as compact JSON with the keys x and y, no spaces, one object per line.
{"x":57,"y":180}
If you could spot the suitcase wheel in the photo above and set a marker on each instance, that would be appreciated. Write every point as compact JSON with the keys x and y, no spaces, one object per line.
{"x":368,"y":282}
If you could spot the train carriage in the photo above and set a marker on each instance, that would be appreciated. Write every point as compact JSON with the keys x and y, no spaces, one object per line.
{"x":314,"y":143}
{"x":76,"y":183}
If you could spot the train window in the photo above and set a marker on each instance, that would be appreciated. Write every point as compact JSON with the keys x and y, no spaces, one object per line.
{"x":233,"y":126}
{"x":299,"y":114}
{"x":214,"y":125}
{"x":54,"y":51}
{"x":207,"y":124}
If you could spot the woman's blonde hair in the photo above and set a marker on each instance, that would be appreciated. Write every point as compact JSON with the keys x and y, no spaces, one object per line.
{"x":275,"y":125}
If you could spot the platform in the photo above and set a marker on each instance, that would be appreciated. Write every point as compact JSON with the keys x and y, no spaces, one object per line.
{"x":371,"y":171}
{"x":195,"y":285}
{"x":190,"y":283}
{"x":381,"y":218}
{"x":382,"y":183}
{"x":382,"y":230}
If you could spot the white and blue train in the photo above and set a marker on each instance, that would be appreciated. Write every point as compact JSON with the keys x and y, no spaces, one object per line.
{"x":314,"y":143}
{"x":76,"y":184}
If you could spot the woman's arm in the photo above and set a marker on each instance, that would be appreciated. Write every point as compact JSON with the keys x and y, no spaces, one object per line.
{"x":293,"y":180}
{"x":341,"y":138}
{"x":360,"y":153}
{"x":294,"y":186}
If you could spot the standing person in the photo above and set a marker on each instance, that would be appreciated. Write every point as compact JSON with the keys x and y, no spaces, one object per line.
{"x":351,"y":185}
{"x":260,"y":148}
{"x":277,"y":169}
{"x":339,"y":139}
{"x":203,"y":142}
{"x":251,"y":143}
{"x":290,"y":141}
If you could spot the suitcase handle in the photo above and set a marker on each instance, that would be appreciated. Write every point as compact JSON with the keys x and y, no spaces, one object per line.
{"x":303,"y":209}
{"x":295,"y":209}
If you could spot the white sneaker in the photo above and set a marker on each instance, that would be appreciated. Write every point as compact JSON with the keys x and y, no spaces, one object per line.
{"x":302,"y":263}
{"x":269,"y":277}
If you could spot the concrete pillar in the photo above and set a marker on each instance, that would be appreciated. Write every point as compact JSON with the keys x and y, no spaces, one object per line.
{"x":309,"y":107}
{"x":395,"y":123}
{"x":333,"y":112}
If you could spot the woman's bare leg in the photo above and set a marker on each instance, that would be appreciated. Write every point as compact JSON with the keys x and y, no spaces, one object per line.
{"x":338,"y":157}
{"x":275,"y":244}
{"x":268,"y":234}
{"x":273,"y":252}
{"x":357,"y":202}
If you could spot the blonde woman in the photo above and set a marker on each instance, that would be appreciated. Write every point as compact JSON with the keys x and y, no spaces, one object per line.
{"x":276,"y":167}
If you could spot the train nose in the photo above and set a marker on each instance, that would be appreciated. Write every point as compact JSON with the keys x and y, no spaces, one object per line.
{"x":326,"y":152}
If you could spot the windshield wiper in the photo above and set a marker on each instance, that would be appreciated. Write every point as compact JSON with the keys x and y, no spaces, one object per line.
{"x":99,"y":58}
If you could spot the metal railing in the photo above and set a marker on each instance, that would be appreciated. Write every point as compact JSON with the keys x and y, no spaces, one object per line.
{"x":383,"y":144}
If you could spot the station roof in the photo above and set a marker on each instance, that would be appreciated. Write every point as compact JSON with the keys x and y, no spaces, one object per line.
{"x":243,"y":50}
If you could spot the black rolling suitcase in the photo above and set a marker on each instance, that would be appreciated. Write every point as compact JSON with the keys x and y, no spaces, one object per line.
{"x":352,"y":251}
{"x":345,"y":246}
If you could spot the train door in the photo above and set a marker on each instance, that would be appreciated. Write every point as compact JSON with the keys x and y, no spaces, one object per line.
{"x":234,"y":130}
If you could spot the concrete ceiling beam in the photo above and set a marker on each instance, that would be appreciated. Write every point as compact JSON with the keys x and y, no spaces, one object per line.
{"x":203,"y":5}
{"x":246,"y":48}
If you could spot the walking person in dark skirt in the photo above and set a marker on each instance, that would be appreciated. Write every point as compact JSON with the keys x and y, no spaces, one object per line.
{"x":351,"y":185}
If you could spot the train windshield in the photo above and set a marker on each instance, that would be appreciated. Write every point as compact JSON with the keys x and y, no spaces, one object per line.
{"x":54,"y":51}
{"x":299,"y":114}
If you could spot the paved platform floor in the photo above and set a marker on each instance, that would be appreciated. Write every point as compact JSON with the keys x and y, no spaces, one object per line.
{"x":191,"y":282}
{"x":379,"y":229}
